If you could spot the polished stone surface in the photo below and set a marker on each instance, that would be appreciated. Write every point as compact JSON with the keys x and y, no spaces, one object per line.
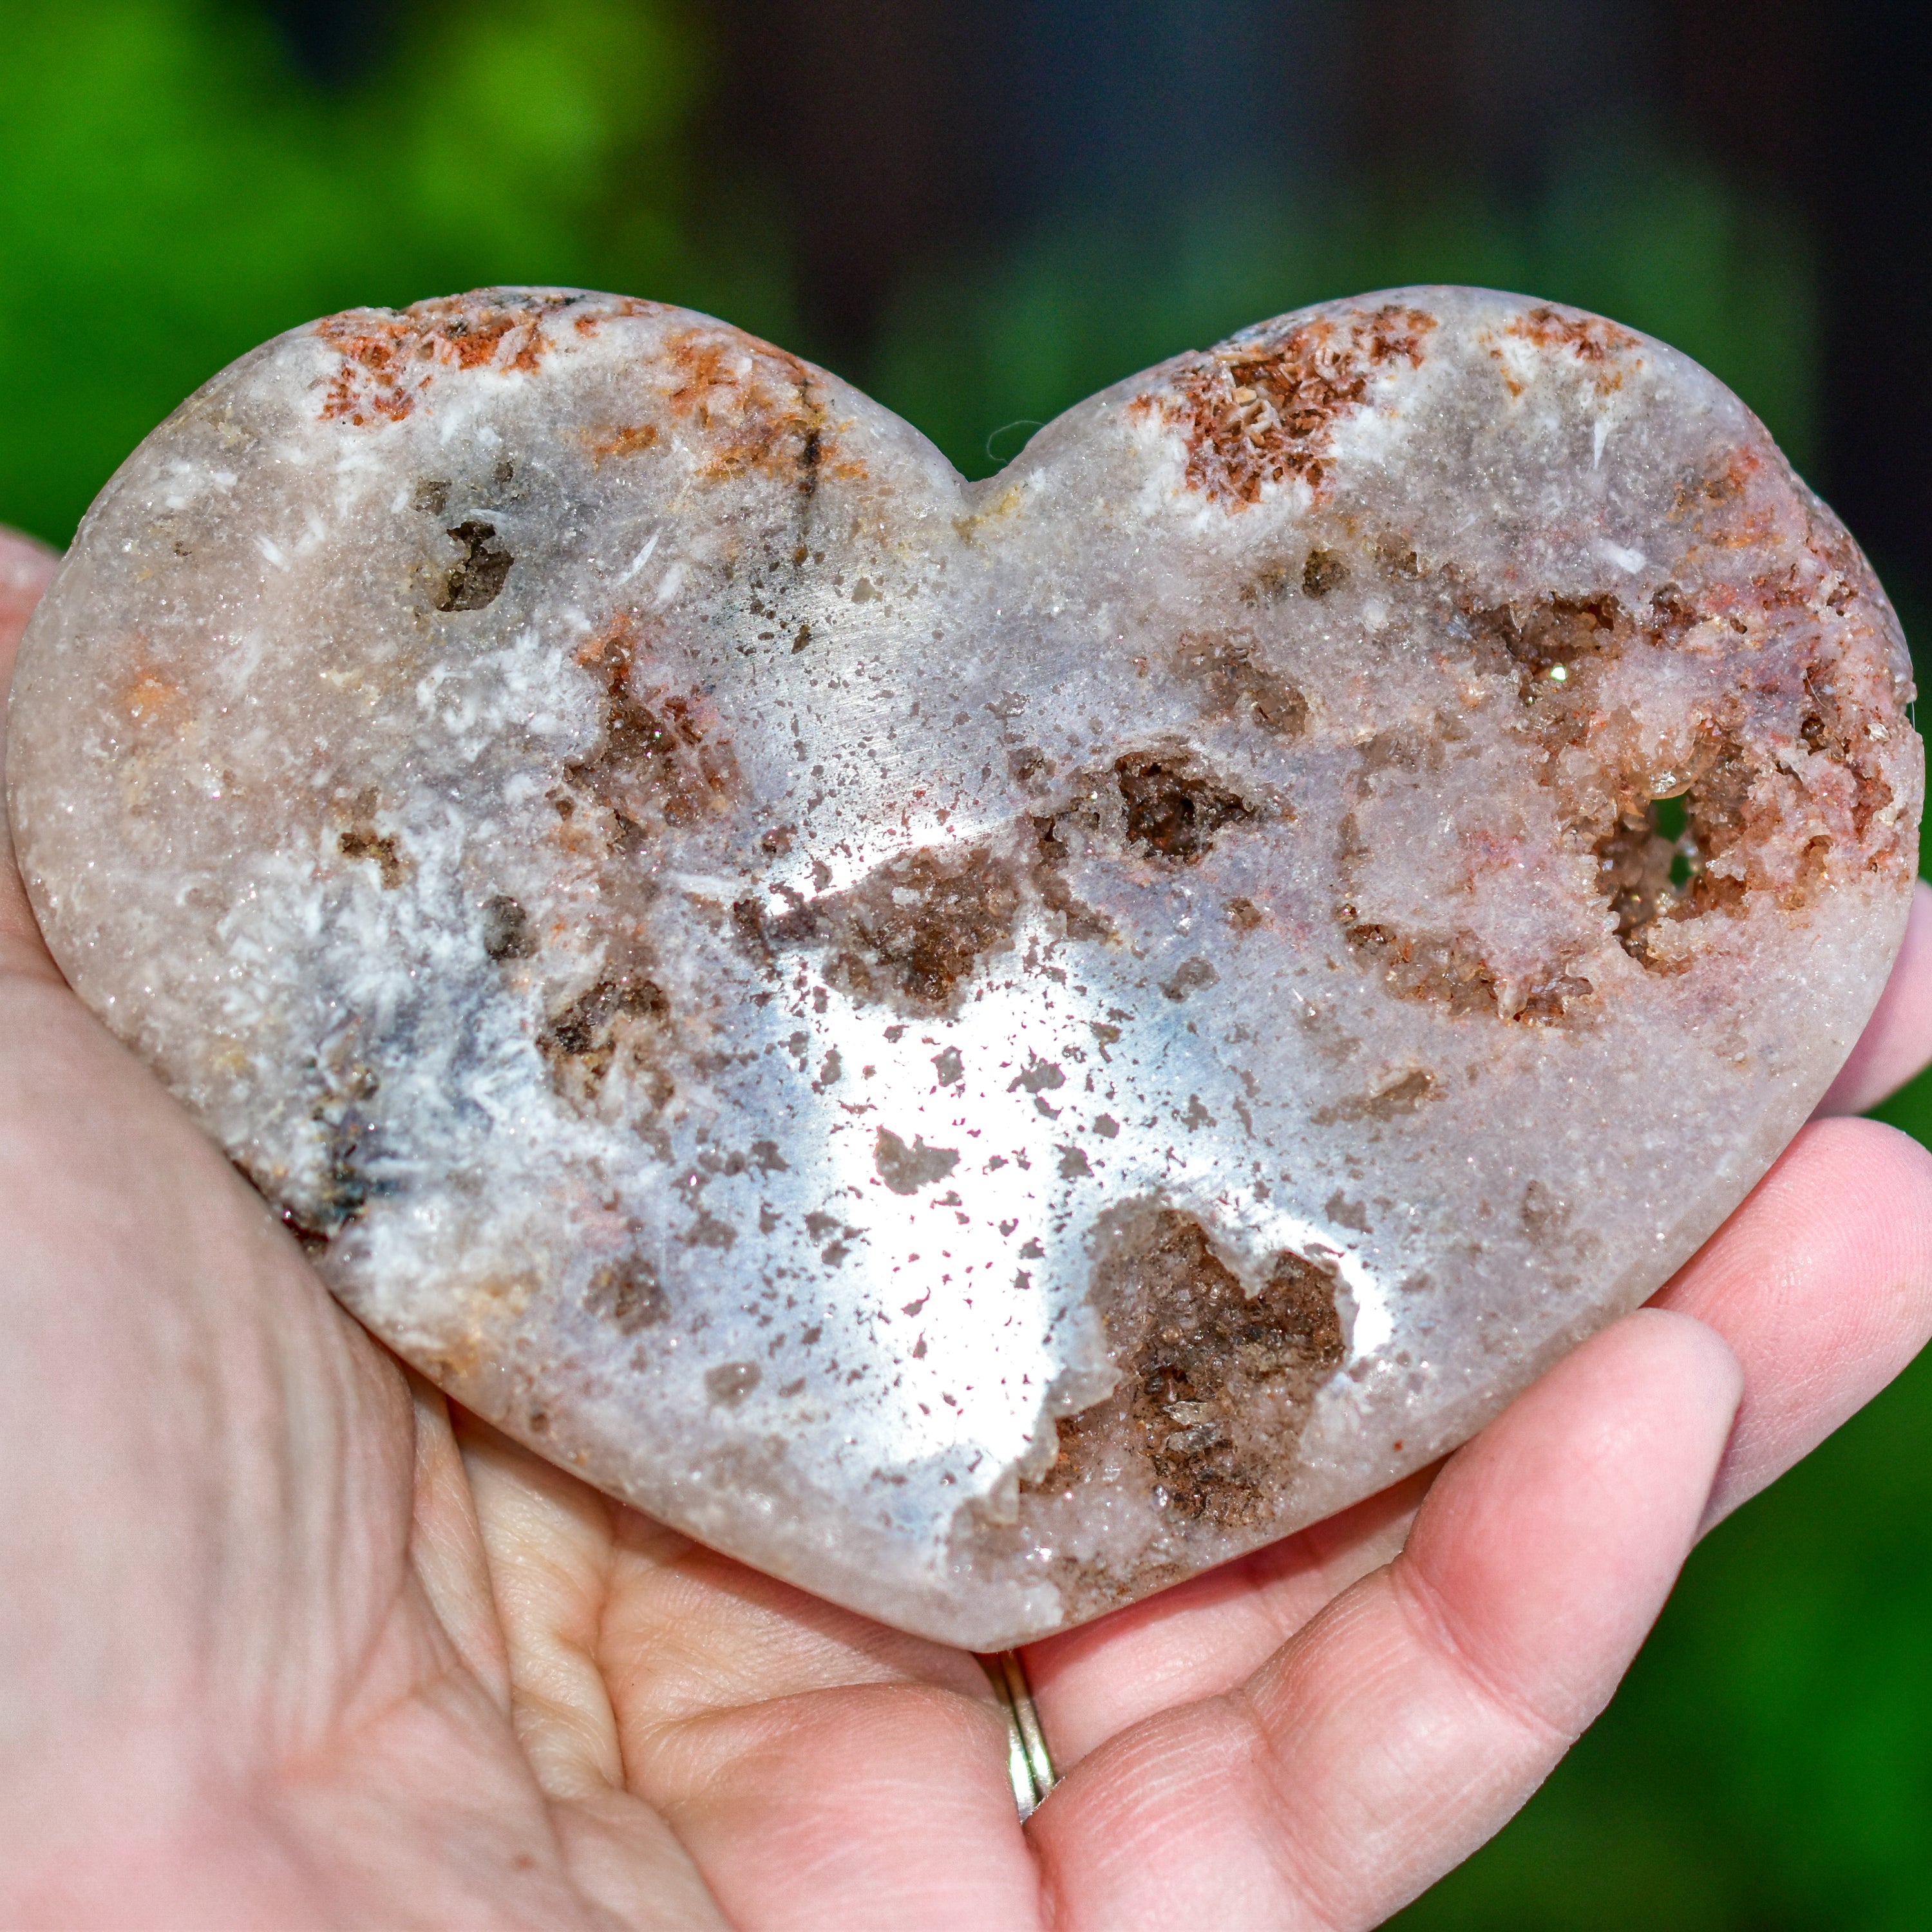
{"x":982,"y":1047}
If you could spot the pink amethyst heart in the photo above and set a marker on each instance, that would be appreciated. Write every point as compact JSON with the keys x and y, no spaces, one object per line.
{"x":981,"y":1047}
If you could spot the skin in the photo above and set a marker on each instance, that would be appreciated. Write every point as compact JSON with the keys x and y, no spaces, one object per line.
{"x":288,"y":1641}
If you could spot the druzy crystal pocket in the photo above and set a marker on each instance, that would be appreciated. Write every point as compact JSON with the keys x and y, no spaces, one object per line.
{"x":982,"y":1047}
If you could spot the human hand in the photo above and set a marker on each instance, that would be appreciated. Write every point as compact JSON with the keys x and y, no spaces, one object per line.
{"x":287,"y":1642}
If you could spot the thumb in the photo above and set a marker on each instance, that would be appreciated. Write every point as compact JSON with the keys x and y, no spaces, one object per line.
{"x":26,"y":567}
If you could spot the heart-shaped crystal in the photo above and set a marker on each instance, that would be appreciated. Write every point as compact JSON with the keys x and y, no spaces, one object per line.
{"x":981,"y":1047}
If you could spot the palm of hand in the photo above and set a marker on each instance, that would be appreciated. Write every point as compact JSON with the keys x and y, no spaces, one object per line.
{"x":286,"y":1642}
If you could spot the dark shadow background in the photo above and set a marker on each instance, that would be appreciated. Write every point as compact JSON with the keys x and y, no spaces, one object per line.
{"x":982,"y":212}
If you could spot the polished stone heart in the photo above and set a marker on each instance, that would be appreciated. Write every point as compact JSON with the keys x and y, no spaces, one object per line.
{"x":982,"y":1047}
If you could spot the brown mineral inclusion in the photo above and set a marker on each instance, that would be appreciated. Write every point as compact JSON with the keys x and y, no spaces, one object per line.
{"x":982,"y":1047}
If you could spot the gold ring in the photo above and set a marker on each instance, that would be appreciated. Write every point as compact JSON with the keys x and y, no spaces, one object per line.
{"x":1028,"y":1761}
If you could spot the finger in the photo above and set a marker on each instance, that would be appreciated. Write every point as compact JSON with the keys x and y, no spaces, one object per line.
{"x":674,"y":1704}
{"x":550,"y":1542}
{"x":1821,"y":1284}
{"x":876,"y":1805}
{"x":691,"y":1632}
{"x":26,"y":568}
{"x":1897,"y":1041}
{"x":446,"y":1547}
{"x":1408,"y":1720}
{"x":1207,"y":1635}
{"x":809,"y":1761}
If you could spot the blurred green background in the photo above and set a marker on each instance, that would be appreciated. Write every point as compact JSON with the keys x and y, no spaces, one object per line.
{"x":1030,"y":203}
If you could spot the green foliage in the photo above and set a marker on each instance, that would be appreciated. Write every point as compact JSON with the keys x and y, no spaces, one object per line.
{"x":1655,"y":241}
{"x":171,"y":193}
